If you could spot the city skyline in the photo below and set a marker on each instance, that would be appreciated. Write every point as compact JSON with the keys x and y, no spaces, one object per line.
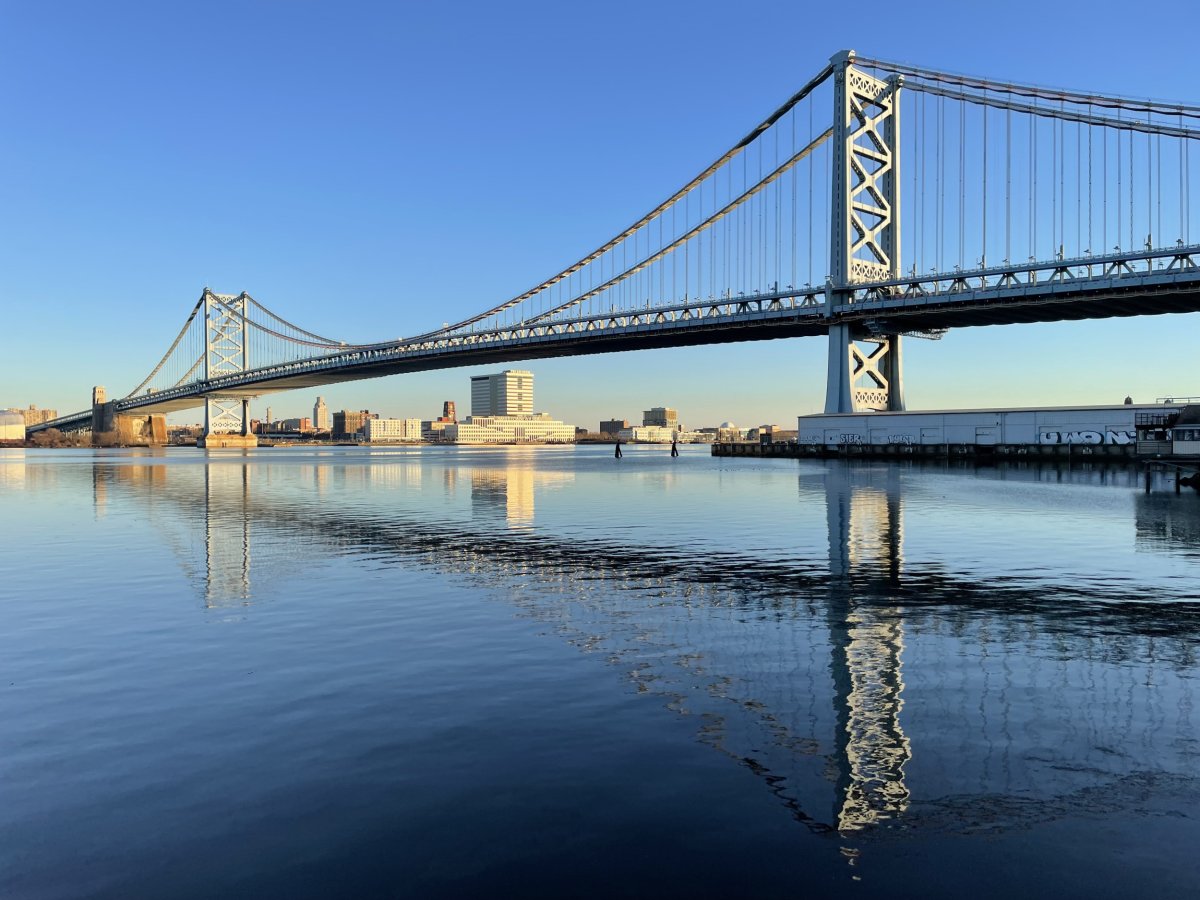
{"x":120,"y":147}
{"x":434,"y":408}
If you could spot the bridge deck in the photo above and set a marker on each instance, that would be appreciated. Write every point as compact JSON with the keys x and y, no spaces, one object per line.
{"x":1046,"y":292}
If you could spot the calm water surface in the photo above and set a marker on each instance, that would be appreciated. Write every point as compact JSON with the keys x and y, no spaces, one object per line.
{"x":545,"y":672}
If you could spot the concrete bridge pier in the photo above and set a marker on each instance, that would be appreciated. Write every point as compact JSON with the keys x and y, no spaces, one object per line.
{"x":109,"y":425}
{"x":227,"y":424}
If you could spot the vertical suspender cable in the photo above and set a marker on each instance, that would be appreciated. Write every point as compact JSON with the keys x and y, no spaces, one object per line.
{"x":1031,"y":228}
{"x":1062,"y":185}
{"x":1079,"y":199}
{"x":941,"y":174}
{"x":795,"y":175}
{"x":1008,"y":186}
{"x":736,"y":251}
{"x":1033,"y":218}
{"x":779,"y":226}
{"x":762,"y":218}
{"x":712,"y":249}
{"x":1054,"y":187}
{"x":1149,"y":187}
{"x":910,"y":233}
{"x":1120,"y":185}
{"x":983,"y":259}
{"x":727,"y":236}
{"x":811,"y":163}
{"x":919,"y":192}
{"x":1133,"y":213}
{"x":1090,"y":214}
{"x":962,"y":158}
{"x":1158,"y":180}
{"x":1187,"y":192}
{"x":661,"y":264}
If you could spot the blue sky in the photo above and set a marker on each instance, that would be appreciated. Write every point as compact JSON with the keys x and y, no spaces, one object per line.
{"x":370,"y":170}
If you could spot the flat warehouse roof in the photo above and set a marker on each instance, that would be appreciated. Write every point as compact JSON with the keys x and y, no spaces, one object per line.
{"x":1003,"y":409}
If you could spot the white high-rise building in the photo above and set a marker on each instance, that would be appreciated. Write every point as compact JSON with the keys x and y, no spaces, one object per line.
{"x":321,"y":415}
{"x":502,"y":413}
{"x":510,"y":393}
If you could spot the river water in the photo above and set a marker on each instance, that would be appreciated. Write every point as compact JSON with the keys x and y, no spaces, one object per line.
{"x":438,"y":672}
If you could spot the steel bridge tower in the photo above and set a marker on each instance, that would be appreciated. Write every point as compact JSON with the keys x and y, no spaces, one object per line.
{"x":864,"y":234}
{"x":226,"y":417}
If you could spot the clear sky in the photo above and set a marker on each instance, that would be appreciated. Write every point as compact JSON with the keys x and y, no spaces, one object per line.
{"x":373,"y":169}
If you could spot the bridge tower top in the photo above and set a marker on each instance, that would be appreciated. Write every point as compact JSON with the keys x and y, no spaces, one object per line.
{"x":865,"y":207}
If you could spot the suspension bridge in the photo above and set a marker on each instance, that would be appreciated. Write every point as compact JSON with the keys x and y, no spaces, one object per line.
{"x":1021,"y":204}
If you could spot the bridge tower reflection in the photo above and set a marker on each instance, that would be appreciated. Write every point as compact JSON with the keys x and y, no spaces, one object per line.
{"x":226,"y":533}
{"x":865,"y":560}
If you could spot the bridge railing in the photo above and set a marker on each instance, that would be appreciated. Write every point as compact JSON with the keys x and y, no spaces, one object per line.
{"x":1177,"y":259}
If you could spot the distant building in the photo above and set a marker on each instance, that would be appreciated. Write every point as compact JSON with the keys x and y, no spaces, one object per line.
{"x":301,"y":425}
{"x":662,"y":416}
{"x":535,"y":428}
{"x":184,"y":434}
{"x":392,"y":430}
{"x":772,"y":434}
{"x":509,"y":393}
{"x":448,"y":414}
{"x":34,"y":416}
{"x":12,"y":426}
{"x":320,"y":415}
{"x":658,"y":434}
{"x":613,"y":426}
{"x":728,"y":432}
{"x":348,"y":422}
{"x":434,"y":429}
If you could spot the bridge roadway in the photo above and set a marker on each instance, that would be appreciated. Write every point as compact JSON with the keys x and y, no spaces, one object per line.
{"x":1150,"y":282}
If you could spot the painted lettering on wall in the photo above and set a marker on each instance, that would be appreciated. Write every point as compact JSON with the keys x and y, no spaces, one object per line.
{"x":1087,"y":437}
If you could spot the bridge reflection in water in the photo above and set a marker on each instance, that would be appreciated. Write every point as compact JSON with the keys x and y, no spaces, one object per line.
{"x":820,"y":675}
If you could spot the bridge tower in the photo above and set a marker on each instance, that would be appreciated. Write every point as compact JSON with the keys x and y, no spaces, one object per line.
{"x":226,"y":417}
{"x":865,"y":234}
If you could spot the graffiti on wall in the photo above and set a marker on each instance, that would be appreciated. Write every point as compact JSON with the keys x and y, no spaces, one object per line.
{"x":1087,"y":437}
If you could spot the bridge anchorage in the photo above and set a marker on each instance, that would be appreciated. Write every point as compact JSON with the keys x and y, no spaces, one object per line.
{"x":1021,"y":204}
